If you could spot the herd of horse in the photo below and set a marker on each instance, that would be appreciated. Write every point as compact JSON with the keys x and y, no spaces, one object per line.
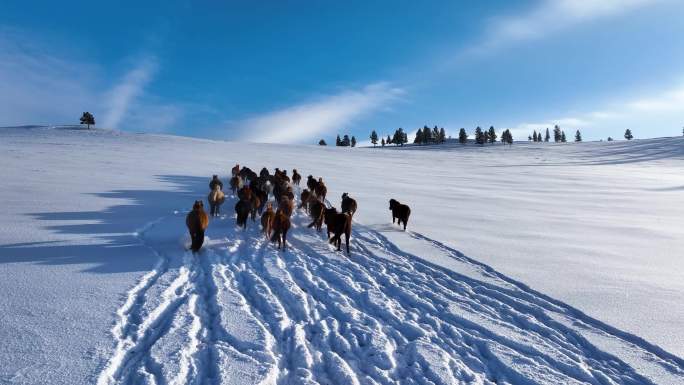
{"x":254,"y":191}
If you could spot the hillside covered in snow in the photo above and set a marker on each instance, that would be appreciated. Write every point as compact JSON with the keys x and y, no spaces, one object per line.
{"x":537,"y":263}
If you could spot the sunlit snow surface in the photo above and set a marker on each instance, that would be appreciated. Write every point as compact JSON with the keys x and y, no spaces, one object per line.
{"x":585,"y":244}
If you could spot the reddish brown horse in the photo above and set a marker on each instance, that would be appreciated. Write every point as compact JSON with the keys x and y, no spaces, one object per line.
{"x":197,"y":221}
{"x":281,"y":224}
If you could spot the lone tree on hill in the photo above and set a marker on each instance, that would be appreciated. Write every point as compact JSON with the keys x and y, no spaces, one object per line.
{"x":578,"y":136}
{"x":353,"y":141}
{"x":322,"y":143}
{"x":479,"y":136}
{"x":88,"y":119}
{"x":374,"y":138}
{"x":492,"y":134}
{"x":628,"y":134}
{"x":546,"y":137}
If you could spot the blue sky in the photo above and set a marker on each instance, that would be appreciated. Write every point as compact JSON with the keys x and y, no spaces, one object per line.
{"x":296,"y":71}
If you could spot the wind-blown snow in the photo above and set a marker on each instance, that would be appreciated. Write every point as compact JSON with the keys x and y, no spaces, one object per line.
{"x":97,"y":287}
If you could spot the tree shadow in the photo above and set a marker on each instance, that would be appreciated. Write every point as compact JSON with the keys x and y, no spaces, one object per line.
{"x":106,"y":241}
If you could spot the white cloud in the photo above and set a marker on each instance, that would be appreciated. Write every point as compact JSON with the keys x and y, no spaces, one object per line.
{"x":324,"y":115}
{"x":551,"y":16}
{"x":120,"y":98}
{"x":660,"y":113}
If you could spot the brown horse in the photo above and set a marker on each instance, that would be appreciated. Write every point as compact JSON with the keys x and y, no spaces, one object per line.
{"x":235,"y":170}
{"x":348,"y":204}
{"x":267,"y":220}
{"x":338,"y":224}
{"x":296,"y":178}
{"x":281,"y":224}
{"x":304,"y":198}
{"x":255,"y":203}
{"x":235,"y":183}
{"x":197,"y":221}
{"x":321,"y":191}
{"x":287,"y":205}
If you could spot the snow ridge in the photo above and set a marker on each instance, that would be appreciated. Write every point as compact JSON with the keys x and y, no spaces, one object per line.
{"x":242,"y":312}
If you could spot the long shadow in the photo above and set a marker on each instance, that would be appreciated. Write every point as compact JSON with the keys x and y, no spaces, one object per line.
{"x":106,"y":240}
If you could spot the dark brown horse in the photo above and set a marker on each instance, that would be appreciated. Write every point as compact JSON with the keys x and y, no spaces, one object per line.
{"x":316,"y":211}
{"x":242,"y":208}
{"x":400,"y":212}
{"x":338,"y":224}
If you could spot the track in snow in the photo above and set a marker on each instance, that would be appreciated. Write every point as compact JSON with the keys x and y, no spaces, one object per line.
{"x":242,"y":312}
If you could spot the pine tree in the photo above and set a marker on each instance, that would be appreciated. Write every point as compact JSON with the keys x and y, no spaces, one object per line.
{"x":353,"y":141}
{"x":462,"y":136}
{"x":556,"y":133}
{"x":435,"y":135}
{"x":88,"y":119}
{"x":507,"y":137}
{"x":628,"y":134}
{"x":345,"y":141}
{"x":338,"y":141}
{"x":389,"y":140}
{"x":479,"y":136}
{"x":610,"y":139}
{"x":578,"y":136}
{"x":419,"y":137}
{"x":399,"y":137}
{"x":382,"y":143}
{"x":374,"y":138}
{"x":427,"y":135}
{"x":529,"y":138}
{"x":442,"y":135}
{"x":546,"y":137}
{"x":535,"y":138}
{"x":563,"y":139}
{"x":492,"y":134}
{"x":322,"y":143}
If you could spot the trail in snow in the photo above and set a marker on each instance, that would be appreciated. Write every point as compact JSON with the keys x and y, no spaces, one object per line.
{"x":242,"y":312}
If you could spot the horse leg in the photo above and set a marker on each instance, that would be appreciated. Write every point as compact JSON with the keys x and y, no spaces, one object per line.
{"x":346,"y":238}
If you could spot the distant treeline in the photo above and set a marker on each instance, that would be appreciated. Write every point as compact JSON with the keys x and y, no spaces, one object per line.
{"x":436,"y":135}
